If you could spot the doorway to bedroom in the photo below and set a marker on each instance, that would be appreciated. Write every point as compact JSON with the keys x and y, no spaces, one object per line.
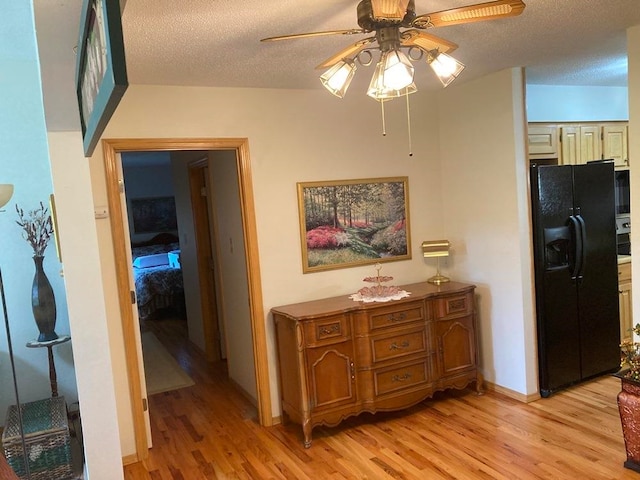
{"x":162,"y":213}
{"x":241,"y":249}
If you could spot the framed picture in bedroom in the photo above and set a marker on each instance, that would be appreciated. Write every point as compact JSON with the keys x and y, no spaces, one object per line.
{"x":154,"y":214}
{"x":101,"y":73}
{"x":347,"y":223}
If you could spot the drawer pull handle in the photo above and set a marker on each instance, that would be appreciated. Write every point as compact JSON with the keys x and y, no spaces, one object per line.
{"x":401,"y":378}
{"x":395,"y":346}
{"x":401,"y":317}
{"x":335,"y":328}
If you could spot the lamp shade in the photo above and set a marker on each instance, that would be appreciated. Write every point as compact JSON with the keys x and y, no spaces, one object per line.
{"x":378,"y":91}
{"x":6,"y":191}
{"x":338,"y":77}
{"x":435,"y":248}
{"x":445,"y":67}
{"x":397,"y":71}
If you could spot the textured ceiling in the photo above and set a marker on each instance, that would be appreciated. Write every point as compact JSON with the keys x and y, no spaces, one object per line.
{"x":217,"y":43}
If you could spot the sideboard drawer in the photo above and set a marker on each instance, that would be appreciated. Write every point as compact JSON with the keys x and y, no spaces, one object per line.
{"x":326,"y":330}
{"x":454,"y":306}
{"x":399,"y":378}
{"x":392,"y":316}
{"x":399,"y":345}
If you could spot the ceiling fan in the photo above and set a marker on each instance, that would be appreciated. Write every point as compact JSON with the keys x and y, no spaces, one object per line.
{"x":396,"y":26}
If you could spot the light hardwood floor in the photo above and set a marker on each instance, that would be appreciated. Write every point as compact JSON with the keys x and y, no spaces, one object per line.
{"x":209,"y":431}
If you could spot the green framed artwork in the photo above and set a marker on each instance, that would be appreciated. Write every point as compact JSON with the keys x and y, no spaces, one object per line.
{"x":347,"y":223}
{"x":101,"y":72}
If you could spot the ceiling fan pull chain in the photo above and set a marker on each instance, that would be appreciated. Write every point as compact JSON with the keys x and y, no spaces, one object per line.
{"x":384,"y":127}
{"x":409,"y":123}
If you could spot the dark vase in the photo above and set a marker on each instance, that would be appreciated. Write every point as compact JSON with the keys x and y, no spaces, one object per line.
{"x":629,"y":408}
{"x":43,"y":303}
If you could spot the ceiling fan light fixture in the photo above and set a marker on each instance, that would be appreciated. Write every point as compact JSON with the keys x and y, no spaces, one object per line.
{"x":338,"y":77}
{"x":445,"y":66}
{"x":397,"y":71}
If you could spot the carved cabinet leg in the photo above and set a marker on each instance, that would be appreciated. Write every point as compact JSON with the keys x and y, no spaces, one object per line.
{"x":306,"y":430}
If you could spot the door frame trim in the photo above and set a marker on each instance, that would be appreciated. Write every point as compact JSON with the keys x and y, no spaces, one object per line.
{"x":112,"y":147}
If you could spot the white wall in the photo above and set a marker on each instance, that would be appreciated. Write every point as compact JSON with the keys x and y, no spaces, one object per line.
{"x":232,"y":265}
{"x":87,"y":312}
{"x":633,"y":48}
{"x":563,"y":103}
{"x":484,"y":182}
{"x":293,"y":136}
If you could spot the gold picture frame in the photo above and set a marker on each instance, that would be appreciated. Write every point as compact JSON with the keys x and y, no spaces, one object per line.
{"x":54,"y":221}
{"x":349,"y":223}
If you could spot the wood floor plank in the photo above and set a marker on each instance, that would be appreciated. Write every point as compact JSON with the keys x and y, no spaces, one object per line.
{"x":210,"y":431}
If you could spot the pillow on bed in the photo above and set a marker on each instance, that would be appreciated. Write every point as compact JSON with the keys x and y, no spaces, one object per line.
{"x":151,"y":260}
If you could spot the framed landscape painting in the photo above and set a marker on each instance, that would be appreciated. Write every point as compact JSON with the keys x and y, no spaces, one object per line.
{"x":347,"y":223}
{"x":156,"y":214}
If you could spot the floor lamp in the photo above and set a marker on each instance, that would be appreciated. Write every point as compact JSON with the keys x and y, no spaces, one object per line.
{"x":6,"y":192}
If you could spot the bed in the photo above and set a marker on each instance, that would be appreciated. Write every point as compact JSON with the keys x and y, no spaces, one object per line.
{"x":158,"y":277}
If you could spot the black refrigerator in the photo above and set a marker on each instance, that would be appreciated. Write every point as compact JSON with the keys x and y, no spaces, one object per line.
{"x":576,"y":273}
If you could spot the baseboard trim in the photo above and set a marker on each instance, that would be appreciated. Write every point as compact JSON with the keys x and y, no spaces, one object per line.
{"x":129,"y":459}
{"x":520,"y":397}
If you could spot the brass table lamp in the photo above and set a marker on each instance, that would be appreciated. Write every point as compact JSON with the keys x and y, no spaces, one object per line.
{"x":436,"y":248}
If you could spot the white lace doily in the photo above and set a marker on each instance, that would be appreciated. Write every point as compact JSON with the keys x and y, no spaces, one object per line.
{"x":369,"y":296}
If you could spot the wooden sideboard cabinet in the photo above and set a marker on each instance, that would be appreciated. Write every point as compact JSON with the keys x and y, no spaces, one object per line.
{"x":339,"y":358}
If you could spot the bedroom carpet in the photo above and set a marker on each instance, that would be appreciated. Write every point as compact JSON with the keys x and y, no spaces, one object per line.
{"x":161,"y":370}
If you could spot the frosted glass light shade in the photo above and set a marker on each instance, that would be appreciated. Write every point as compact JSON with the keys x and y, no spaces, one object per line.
{"x":378,"y":91}
{"x":397,"y":71}
{"x":338,"y":77}
{"x":445,"y":67}
{"x":6,"y":191}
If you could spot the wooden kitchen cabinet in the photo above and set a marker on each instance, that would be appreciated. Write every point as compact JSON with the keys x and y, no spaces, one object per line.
{"x":624,"y":295}
{"x":339,"y":358}
{"x":615,"y":144}
{"x":579,"y":143}
{"x":542,"y":141}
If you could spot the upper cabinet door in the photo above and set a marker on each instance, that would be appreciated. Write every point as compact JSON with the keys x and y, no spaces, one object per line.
{"x":590,"y":146}
{"x":614,"y":144}
{"x":543,"y":141}
{"x":570,"y":145}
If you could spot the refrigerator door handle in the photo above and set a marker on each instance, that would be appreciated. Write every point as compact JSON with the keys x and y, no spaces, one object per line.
{"x":583,"y":241}
{"x":578,"y":253}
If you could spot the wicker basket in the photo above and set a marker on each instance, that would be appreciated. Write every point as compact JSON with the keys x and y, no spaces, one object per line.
{"x":47,"y":440}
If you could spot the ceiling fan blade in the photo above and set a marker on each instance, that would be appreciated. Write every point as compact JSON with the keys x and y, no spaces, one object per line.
{"x":389,"y":9}
{"x":471,"y":13}
{"x":426,"y":41}
{"x":352,"y":31}
{"x":349,"y":51}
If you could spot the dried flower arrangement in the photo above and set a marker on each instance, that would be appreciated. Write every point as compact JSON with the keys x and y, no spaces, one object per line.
{"x":630,"y":357}
{"x":37,"y":226}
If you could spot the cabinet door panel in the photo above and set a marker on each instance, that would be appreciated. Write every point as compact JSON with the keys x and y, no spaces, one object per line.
{"x":570,"y":141}
{"x":624,"y":295}
{"x":456,"y":345}
{"x":590,"y":146}
{"x":543,"y":141}
{"x":614,"y":144}
{"x":331,"y":375}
